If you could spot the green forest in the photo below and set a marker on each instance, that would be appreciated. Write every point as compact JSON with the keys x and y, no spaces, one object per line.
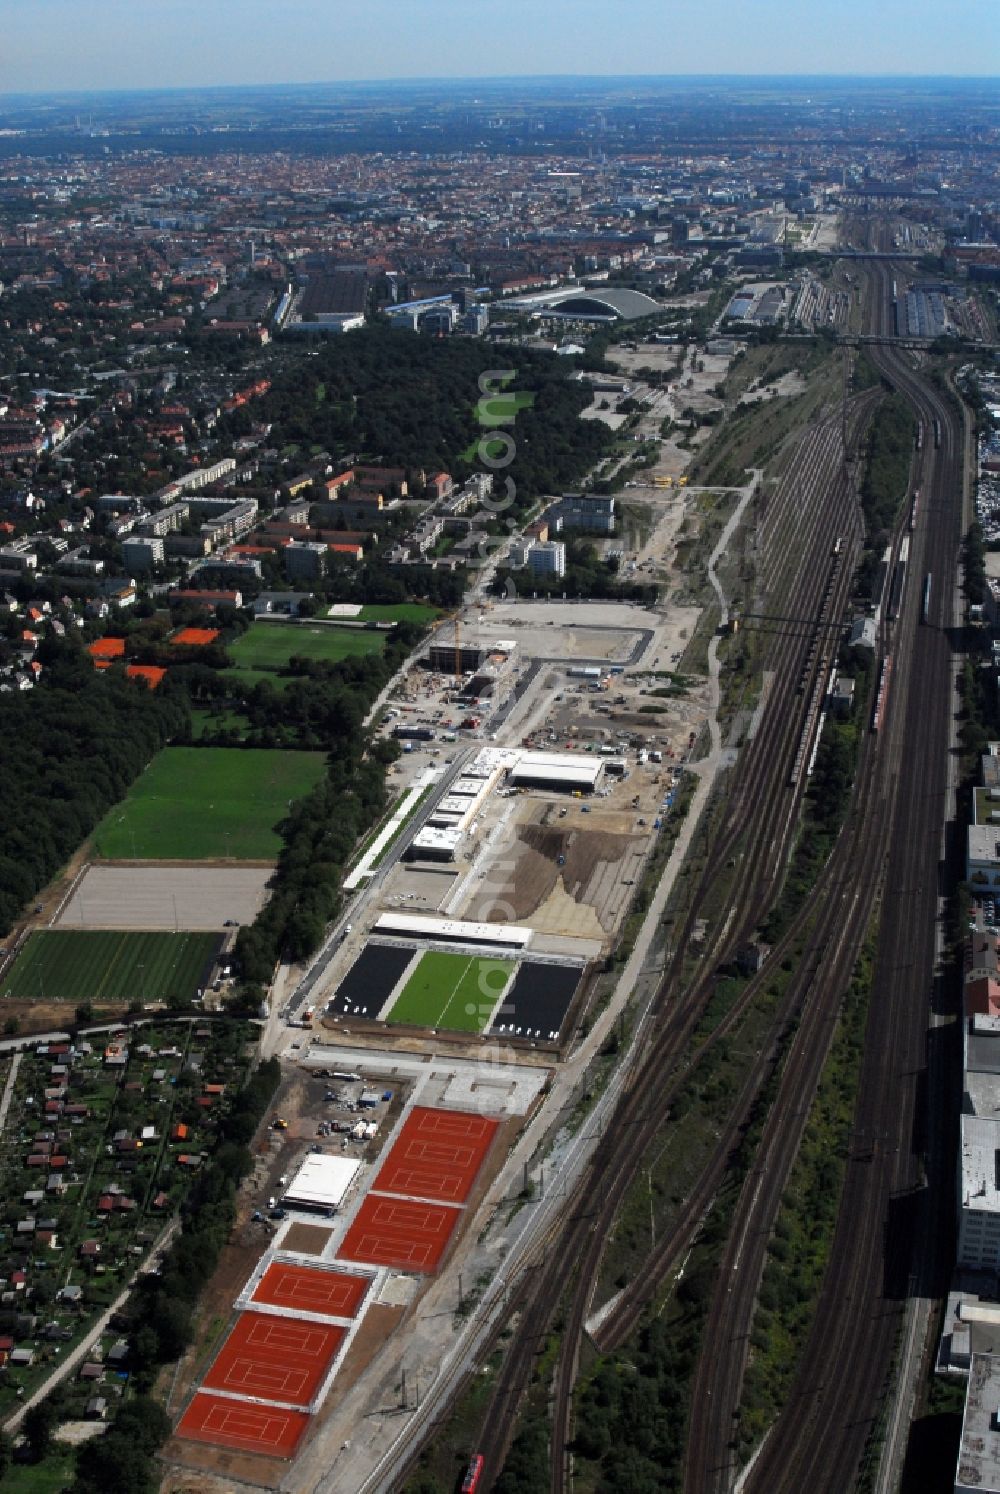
{"x":68,"y":751}
{"x":388,"y":394}
{"x":887,"y":468}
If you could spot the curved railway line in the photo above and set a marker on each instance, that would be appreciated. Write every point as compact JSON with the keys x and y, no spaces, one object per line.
{"x":761,"y":818}
{"x":814,"y":518}
{"x":820,"y":1440}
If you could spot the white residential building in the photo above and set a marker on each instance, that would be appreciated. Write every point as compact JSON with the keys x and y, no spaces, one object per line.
{"x":547,"y":558}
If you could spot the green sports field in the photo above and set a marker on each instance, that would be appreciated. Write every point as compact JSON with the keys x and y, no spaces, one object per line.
{"x":452,"y":991}
{"x":206,"y":804}
{"x":269,"y":646}
{"x":96,"y":965}
{"x":415,"y":612}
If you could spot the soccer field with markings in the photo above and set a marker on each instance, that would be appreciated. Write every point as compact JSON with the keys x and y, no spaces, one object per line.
{"x":453,"y":991}
{"x":208,"y":803}
{"x":271,"y":645}
{"x":80,"y":965}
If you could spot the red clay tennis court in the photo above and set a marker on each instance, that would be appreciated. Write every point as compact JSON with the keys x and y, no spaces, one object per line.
{"x":339,"y":1294}
{"x":275,"y":1359}
{"x":437,"y":1155}
{"x":107,"y":648}
{"x":269,"y":1430}
{"x":195,"y":637}
{"x":395,"y":1232}
{"x":151,"y":673}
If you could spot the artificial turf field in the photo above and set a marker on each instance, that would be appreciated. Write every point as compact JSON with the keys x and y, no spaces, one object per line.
{"x":269,"y":646}
{"x":206,"y":804}
{"x":453,"y":991}
{"x":81,"y":965}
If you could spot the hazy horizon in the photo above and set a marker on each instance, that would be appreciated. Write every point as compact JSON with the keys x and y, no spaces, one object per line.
{"x":59,"y":46}
{"x":485,"y":80}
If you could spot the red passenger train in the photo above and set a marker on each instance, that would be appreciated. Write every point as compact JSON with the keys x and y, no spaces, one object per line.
{"x":473,"y":1474}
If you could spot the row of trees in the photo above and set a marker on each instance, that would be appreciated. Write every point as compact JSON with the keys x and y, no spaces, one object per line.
{"x":887,"y":467}
{"x":320,"y":834}
{"x":68,"y":752}
{"x":323,"y":707}
{"x":164,"y":1303}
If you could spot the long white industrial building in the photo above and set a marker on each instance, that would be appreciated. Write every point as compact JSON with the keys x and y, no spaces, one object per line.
{"x":452,"y":930}
{"x":460,"y":809}
{"x":554,"y":770}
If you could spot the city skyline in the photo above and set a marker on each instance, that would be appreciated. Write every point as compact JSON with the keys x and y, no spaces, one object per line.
{"x":56,"y":46}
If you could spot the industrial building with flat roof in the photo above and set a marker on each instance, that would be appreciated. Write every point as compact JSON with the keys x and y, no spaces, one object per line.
{"x":456,"y":813}
{"x":552,"y":770}
{"x":979,"y":1211}
{"x":452,"y":930}
{"x":982,"y":859}
{"x":978,"y":1470}
{"x":322,"y":1182}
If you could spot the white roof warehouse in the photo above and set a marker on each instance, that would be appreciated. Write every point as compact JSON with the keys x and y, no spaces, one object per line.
{"x":322,"y":1181}
{"x":557,"y":771}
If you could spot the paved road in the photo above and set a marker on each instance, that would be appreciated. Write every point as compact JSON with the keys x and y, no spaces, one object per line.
{"x":353,"y":910}
{"x":379,"y":1443}
{"x":9,"y":1089}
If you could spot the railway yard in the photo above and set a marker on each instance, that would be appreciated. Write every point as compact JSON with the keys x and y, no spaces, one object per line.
{"x":559,"y":1049}
{"x":471,"y":974}
{"x":550,"y":1077}
{"x":500,"y":660}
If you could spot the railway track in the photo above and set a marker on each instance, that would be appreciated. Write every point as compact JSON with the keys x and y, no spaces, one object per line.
{"x":761,"y":817}
{"x":812,"y":509}
{"x":820,"y":1440}
{"x":629,"y":1306}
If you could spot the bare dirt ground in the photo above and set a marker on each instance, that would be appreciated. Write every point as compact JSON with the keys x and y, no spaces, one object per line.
{"x":789,"y":384}
{"x":571,"y":895}
{"x":75,"y":1432}
{"x":376,"y":1325}
{"x":46,"y":1016}
{"x":307,"y":1239}
{"x":169,"y":896}
{"x":199,"y":1468}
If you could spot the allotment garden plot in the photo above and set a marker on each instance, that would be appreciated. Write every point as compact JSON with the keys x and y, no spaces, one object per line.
{"x":214,"y":803}
{"x":100,"y":965}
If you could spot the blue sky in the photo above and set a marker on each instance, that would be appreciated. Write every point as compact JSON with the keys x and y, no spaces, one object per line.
{"x":81,"y":44}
